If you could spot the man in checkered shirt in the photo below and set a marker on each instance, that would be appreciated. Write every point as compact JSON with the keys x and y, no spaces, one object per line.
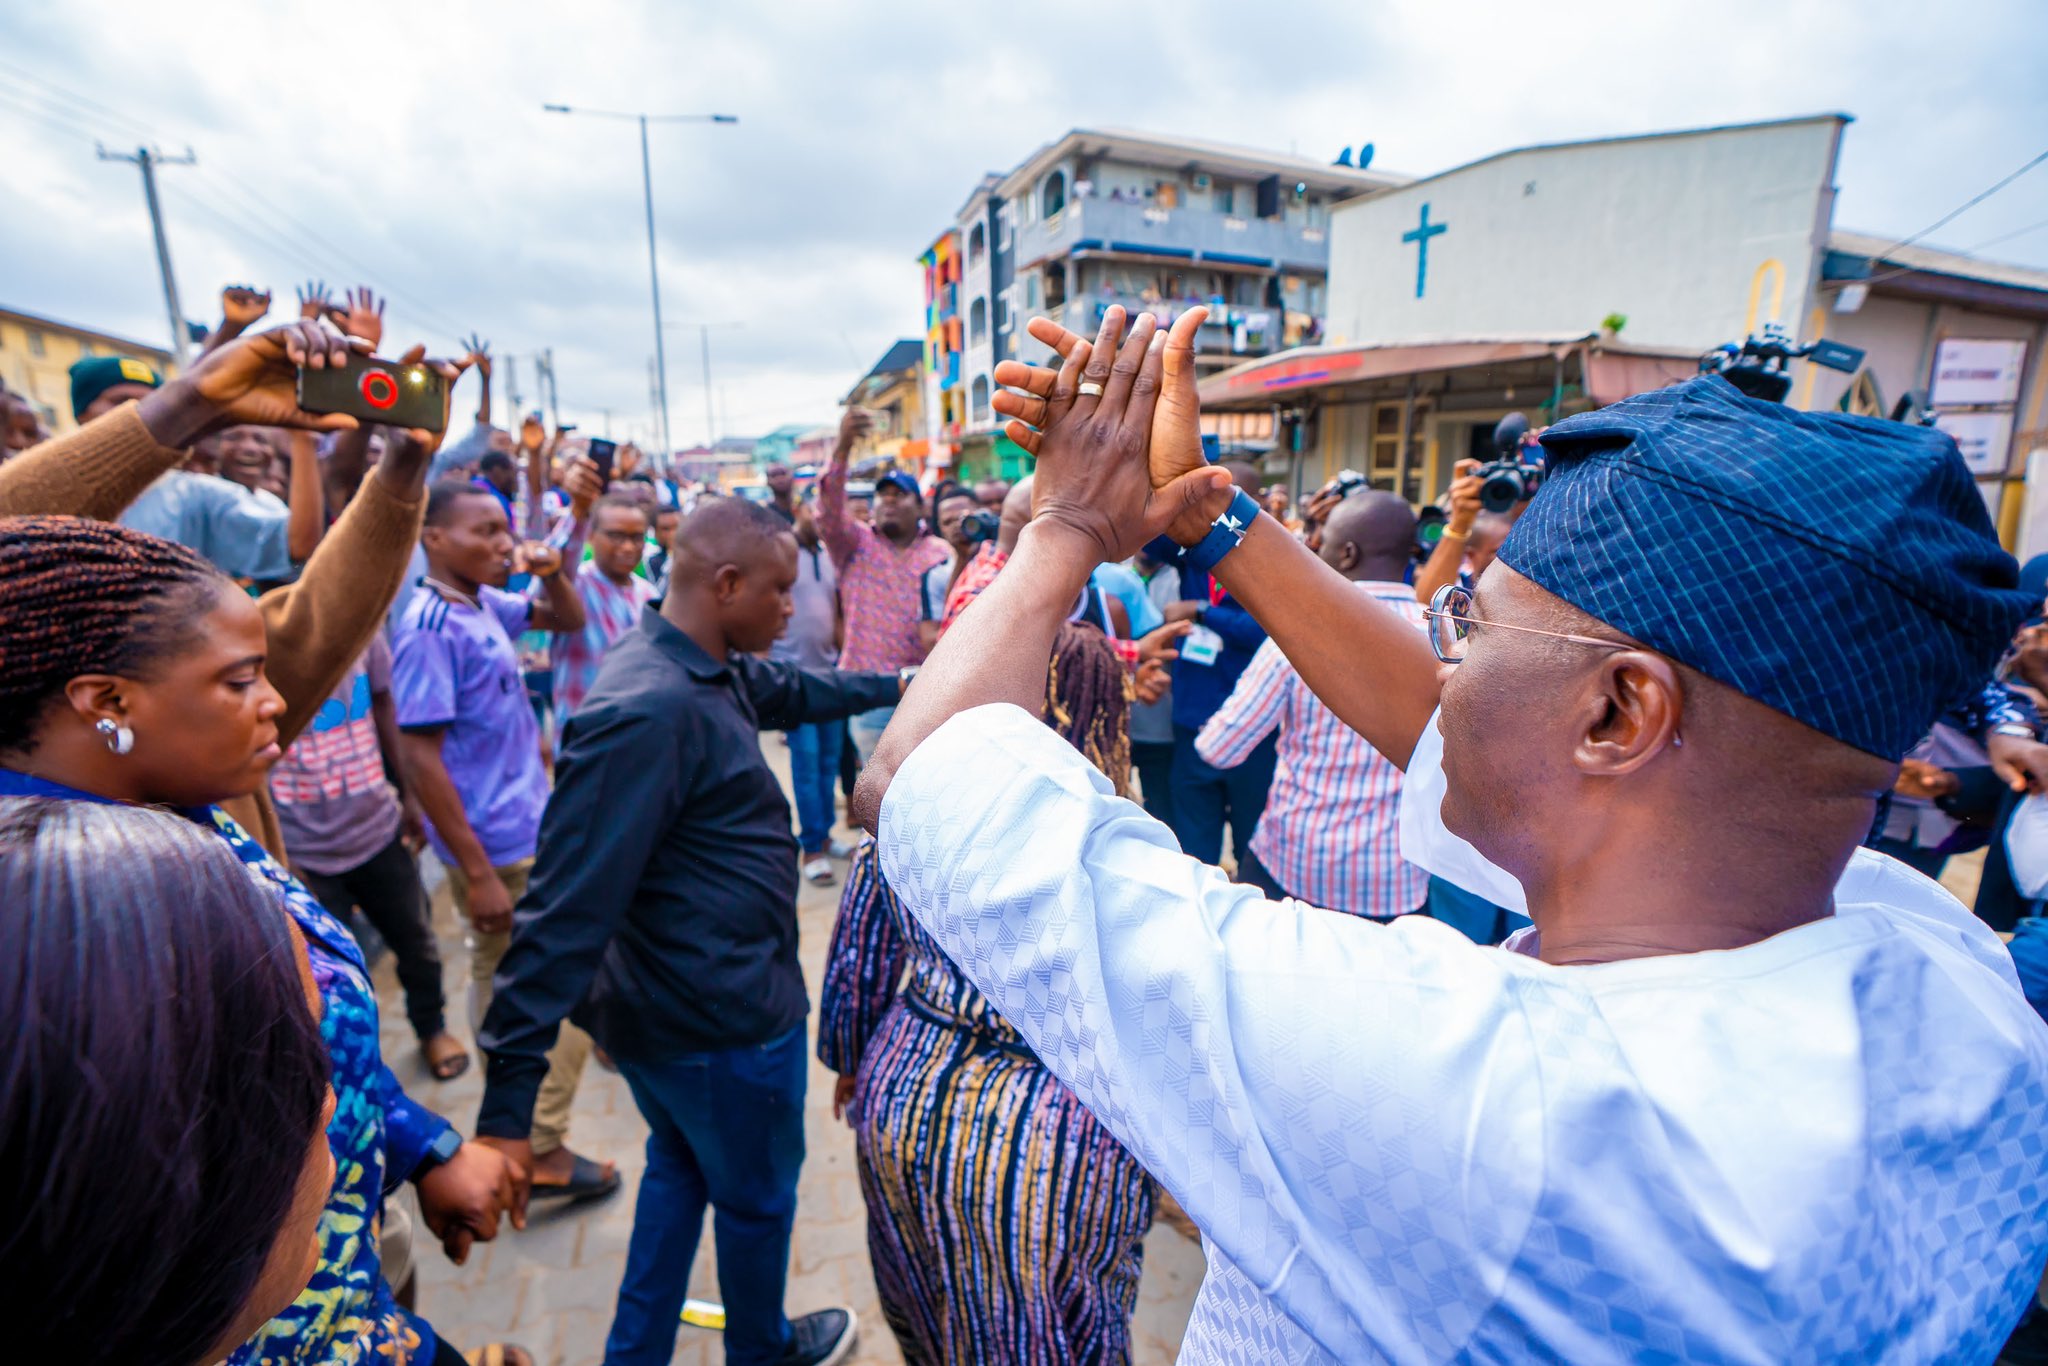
{"x":1328,"y":835}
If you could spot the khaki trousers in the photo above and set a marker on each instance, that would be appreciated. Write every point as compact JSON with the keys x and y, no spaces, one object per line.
{"x":571,"y":1050}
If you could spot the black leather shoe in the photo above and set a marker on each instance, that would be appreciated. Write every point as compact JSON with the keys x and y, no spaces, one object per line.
{"x":821,"y":1339}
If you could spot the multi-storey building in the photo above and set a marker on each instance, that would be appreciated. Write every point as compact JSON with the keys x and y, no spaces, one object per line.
{"x":1099,"y":218}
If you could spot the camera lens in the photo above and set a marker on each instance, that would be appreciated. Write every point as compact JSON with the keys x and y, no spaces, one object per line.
{"x":1502,"y":490}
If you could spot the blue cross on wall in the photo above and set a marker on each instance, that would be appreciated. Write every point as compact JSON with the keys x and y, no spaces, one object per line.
{"x":1420,"y":236}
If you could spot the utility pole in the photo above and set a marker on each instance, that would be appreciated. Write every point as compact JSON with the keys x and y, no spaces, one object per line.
{"x":544,"y":380}
{"x":148,"y":158}
{"x":607,"y":422}
{"x":710,"y":422}
{"x":653,"y":268}
{"x":512,"y":392}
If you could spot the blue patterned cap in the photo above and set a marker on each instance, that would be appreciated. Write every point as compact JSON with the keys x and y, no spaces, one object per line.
{"x":1839,"y":569}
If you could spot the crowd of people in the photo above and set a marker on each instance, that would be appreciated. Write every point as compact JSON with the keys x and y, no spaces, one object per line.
{"x":1515,"y":945}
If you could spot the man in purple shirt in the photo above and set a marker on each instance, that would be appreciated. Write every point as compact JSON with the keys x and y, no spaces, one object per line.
{"x":472,"y":748}
{"x":881,"y":568}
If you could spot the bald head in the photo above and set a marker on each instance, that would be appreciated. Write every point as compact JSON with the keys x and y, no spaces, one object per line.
{"x":724,"y":532}
{"x":1370,"y":535}
{"x":1244,"y":476}
{"x":1488,"y":531}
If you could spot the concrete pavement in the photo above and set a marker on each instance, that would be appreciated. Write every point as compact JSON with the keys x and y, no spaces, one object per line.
{"x":551,"y":1288}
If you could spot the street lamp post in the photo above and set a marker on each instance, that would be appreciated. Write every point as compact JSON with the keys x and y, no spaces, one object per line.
{"x":653,"y":267}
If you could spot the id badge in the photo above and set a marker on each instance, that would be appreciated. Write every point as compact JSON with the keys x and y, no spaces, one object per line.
{"x":1201,"y":646}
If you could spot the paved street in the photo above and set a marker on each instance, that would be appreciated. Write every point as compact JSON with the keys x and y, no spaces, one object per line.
{"x":550,"y":1289}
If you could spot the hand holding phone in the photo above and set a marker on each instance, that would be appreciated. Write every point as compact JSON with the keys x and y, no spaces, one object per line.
{"x":393,"y":393}
{"x":602,"y":453}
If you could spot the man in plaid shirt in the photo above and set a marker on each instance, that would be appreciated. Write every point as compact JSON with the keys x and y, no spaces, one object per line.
{"x":1329,"y":833}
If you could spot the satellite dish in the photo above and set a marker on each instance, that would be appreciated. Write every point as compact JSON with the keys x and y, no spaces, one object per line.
{"x":1365,"y":156}
{"x":1344,"y":157}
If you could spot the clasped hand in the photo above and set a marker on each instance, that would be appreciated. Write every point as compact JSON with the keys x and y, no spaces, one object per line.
{"x":1116,"y":436}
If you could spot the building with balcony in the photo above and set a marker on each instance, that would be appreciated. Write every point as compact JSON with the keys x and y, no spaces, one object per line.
{"x":37,"y":353}
{"x":945,"y":400}
{"x":1160,"y":224}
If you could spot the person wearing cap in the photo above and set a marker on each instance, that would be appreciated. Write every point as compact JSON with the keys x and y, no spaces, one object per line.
{"x":246,"y":534}
{"x":1745,"y":1092}
{"x":881,"y":564}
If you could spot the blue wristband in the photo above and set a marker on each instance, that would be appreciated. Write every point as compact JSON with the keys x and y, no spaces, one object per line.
{"x":1224,"y":533}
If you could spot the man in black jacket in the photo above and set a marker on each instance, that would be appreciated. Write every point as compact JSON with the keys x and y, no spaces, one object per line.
{"x":662,"y":918}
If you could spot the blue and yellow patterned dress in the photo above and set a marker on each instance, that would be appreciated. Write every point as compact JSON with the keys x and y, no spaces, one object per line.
{"x":1005,"y":1224}
{"x":347,"y":1314}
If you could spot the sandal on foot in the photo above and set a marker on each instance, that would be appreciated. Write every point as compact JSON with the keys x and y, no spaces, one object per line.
{"x":587,"y":1180}
{"x":448,"y":1066}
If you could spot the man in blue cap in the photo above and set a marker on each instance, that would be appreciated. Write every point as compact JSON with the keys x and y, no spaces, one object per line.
{"x":1744,"y":1093}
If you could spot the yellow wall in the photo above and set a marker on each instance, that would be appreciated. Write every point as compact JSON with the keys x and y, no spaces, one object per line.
{"x":46,"y":378}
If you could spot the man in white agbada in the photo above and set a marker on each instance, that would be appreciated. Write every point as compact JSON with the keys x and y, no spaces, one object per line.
{"x":1744,"y":1094}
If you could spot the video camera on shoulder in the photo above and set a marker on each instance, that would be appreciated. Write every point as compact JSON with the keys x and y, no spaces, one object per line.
{"x":1760,"y":366}
{"x":1516,"y":470}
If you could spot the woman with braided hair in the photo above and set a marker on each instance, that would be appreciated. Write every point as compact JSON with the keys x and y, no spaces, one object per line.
{"x":1004,"y":1222}
{"x":132,"y":672}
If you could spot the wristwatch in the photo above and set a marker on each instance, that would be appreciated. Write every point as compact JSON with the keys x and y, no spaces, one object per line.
{"x":439,"y":1151}
{"x":1224,"y":533}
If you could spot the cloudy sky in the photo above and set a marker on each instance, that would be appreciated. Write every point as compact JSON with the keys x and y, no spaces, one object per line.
{"x":405,"y":145}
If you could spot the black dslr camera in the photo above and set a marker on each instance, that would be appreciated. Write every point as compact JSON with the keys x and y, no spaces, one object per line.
{"x":1516,"y":470}
{"x":980,"y":525}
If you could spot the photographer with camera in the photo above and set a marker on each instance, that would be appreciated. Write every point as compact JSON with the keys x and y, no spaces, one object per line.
{"x":962,"y":525}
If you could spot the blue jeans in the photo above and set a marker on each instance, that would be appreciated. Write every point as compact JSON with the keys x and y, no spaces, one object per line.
{"x":866,"y":731}
{"x":1204,"y":797}
{"x":724,"y":1129}
{"x":814,"y":773}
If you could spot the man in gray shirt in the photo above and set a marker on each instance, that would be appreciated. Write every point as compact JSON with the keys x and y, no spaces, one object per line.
{"x":811,"y":641}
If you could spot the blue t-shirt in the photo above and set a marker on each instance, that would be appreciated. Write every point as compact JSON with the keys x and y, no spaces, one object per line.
{"x":454,"y":668}
{"x":1123,"y":584}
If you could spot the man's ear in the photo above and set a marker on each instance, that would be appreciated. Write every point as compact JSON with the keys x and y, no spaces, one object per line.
{"x":1347,"y":557}
{"x":1634,"y":704}
{"x":726,"y":582}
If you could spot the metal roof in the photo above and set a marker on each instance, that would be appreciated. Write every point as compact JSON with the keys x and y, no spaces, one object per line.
{"x":1152,"y":149}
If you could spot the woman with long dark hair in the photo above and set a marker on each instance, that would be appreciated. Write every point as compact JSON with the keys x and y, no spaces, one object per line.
{"x":1004,"y":1222}
{"x":132,"y":671}
{"x":163,"y":1096}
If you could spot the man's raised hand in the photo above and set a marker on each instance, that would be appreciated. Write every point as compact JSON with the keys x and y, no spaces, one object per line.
{"x":1094,"y":477}
{"x":314,"y":302}
{"x":361,"y":314}
{"x":479,"y":354}
{"x":242,"y":305}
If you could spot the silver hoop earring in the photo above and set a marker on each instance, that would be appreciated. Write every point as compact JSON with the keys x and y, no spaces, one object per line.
{"x":119,"y":739}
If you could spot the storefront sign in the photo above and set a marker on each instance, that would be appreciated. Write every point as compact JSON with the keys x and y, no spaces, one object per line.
{"x":1983,"y":438}
{"x":1968,"y":373}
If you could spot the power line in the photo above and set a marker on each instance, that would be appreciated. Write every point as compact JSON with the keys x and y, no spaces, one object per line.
{"x":86,"y":104}
{"x":1967,"y":205}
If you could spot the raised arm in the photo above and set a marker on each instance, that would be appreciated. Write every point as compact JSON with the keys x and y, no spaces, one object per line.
{"x":308,"y":501}
{"x":1094,"y":501}
{"x":840,"y":532}
{"x":1366,"y":662}
{"x":319,"y":625}
{"x":1448,"y":558}
{"x":98,"y":470}
{"x":240,"y":307}
{"x":480,"y":358}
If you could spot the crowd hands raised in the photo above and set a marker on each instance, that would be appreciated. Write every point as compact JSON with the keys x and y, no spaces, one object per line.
{"x":138,"y":679}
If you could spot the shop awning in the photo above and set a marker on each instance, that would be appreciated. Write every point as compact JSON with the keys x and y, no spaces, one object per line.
{"x":1615,"y":371}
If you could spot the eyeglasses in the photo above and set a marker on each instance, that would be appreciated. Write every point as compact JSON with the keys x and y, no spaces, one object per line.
{"x":1451,"y":622}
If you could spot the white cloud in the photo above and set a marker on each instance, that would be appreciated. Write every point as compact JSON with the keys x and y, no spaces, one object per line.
{"x":411,"y":137}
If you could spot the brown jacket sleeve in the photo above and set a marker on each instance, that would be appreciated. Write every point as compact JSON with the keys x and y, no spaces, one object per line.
{"x":319,"y":625}
{"x":96,"y":471}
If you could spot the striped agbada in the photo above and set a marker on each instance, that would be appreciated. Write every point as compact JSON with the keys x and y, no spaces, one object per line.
{"x":1328,"y":835}
{"x":1005,"y":1224}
